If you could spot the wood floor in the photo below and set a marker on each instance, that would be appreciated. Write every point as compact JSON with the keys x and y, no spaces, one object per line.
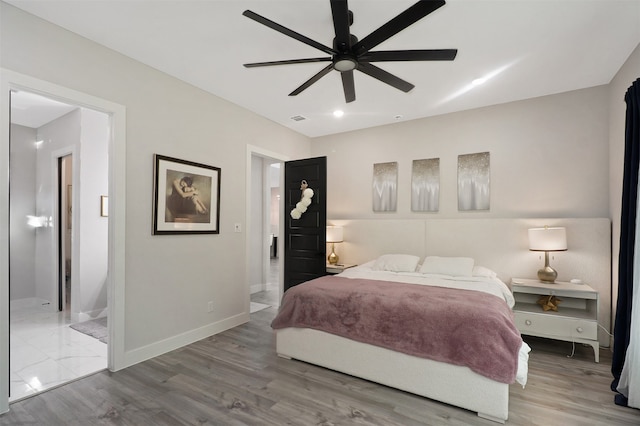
{"x":235,"y":378}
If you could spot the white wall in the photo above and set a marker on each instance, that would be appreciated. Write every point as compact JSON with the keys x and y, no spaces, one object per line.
{"x":549,"y":158}
{"x":83,"y":133}
{"x":23,"y":203}
{"x":169,"y":279}
{"x":618,"y":87}
{"x":90,"y":290}
{"x":59,"y":137}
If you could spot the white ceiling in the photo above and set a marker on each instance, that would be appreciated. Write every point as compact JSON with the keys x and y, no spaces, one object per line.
{"x":529,"y":48}
{"x":31,"y":110}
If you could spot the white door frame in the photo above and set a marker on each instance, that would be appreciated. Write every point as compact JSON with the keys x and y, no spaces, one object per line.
{"x":10,"y":80}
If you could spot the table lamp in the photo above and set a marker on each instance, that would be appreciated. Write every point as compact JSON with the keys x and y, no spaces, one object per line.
{"x":547,"y":239}
{"x":334,"y":235}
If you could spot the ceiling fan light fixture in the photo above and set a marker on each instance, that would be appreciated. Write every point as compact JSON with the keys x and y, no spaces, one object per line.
{"x":344,"y":63}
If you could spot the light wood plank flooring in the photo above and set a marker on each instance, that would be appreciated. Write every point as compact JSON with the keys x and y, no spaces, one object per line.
{"x":235,"y":378}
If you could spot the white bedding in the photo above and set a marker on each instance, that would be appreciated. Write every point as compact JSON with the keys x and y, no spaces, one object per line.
{"x":491,"y":285}
{"x":486,"y":284}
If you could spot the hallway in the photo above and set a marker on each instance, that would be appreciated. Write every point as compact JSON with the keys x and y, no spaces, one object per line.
{"x":45,"y":352}
{"x":270,"y":296}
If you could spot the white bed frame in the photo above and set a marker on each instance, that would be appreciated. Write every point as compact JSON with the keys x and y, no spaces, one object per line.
{"x":447,"y":383}
{"x":499,"y":244}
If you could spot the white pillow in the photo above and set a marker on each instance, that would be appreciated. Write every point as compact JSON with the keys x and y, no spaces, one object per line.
{"x":454,"y":266}
{"x":481,"y":271}
{"x":396,"y":263}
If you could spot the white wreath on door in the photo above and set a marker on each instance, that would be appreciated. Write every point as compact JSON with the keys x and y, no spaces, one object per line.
{"x":305,"y":201}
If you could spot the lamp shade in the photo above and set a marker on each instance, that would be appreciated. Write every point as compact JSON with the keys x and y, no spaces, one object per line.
{"x":548,"y":239}
{"x":334,"y":234}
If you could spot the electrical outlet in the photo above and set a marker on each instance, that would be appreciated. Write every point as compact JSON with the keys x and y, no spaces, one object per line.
{"x":209,"y":306}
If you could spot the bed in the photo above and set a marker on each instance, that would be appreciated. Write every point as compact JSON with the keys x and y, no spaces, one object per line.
{"x":438,"y":327}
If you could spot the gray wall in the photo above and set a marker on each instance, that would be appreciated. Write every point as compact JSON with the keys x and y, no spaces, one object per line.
{"x":169,"y":279}
{"x":549,"y":158}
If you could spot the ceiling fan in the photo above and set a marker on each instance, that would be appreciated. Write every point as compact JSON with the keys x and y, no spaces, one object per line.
{"x":349,"y":54}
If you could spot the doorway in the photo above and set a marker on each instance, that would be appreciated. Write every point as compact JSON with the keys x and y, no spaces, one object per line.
{"x":46,"y":305}
{"x":65,"y":214}
{"x":116,"y":279}
{"x":264,"y":229}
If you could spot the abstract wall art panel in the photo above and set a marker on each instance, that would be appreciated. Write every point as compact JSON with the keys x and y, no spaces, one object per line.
{"x":385,"y":187}
{"x":425,"y":185}
{"x":474,"y":181}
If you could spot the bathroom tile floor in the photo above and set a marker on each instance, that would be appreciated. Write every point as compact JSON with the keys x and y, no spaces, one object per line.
{"x":45,"y":352}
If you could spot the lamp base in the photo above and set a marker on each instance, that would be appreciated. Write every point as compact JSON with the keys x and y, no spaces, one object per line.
{"x":333,"y":257}
{"x":547,"y":274}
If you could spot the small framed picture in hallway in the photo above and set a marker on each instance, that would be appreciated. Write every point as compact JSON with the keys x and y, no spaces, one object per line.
{"x":186,"y":198}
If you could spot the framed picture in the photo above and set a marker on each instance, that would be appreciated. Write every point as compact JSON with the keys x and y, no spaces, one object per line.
{"x":69,"y":206}
{"x":186,"y":197}
{"x":104,"y":206}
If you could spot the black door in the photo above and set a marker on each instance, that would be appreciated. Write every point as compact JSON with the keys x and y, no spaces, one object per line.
{"x":305,"y":238}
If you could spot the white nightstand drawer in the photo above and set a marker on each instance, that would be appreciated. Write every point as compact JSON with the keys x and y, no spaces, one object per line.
{"x":551,"y":325}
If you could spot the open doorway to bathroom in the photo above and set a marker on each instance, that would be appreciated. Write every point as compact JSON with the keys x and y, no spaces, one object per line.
{"x":58,"y":169}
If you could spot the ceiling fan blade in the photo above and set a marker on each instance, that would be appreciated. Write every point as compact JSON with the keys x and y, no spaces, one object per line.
{"x":340,"y":12}
{"x":409,"y":55}
{"x":397,"y":24}
{"x":288,"y":32}
{"x":349,"y":86}
{"x":385,"y":77}
{"x":287,"y":62}
{"x":312,"y":80}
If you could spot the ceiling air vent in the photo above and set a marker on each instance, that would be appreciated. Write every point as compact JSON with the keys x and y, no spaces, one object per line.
{"x":298,"y":118}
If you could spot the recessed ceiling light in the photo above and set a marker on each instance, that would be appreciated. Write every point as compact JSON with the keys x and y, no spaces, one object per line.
{"x":338,"y":113}
{"x":478,"y":81}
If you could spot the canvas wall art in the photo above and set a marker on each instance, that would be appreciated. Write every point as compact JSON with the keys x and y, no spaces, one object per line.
{"x":385,"y":187}
{"x":474,"y":181}
{"x":425,"y":185}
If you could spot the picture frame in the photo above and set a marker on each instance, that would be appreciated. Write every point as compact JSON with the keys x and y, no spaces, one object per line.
{"x":69,"y":206}
{"x":186,"y":197}
{"x":104,"y":206}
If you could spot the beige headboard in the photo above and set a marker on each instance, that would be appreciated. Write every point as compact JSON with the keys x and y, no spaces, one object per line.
{"x":499,"y":244}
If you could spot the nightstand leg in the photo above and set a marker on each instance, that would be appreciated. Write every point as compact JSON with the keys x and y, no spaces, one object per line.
{"x":596,"y":350}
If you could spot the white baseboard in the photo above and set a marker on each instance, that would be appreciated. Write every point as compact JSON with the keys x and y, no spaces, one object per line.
{"x":257,"y":288}
{"x":155,"y":349}
{"x":86,"y":316}
{"x":30,"y":302}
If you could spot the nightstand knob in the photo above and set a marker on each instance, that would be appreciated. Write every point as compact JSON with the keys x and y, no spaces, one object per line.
{"x":579,"y":329}
{"x":528,"y":322}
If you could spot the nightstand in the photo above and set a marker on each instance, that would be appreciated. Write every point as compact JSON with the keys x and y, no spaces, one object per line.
{"x":337,"y":268}
{"x":575,"y":321}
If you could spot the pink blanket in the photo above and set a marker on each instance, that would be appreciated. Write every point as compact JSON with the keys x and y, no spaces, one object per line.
{"x":461,"y":327}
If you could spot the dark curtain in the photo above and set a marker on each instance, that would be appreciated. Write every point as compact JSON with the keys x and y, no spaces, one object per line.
{"x":622,"y":327}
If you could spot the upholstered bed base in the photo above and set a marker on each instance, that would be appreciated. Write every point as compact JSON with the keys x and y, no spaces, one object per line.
{"x":447,"y":383}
